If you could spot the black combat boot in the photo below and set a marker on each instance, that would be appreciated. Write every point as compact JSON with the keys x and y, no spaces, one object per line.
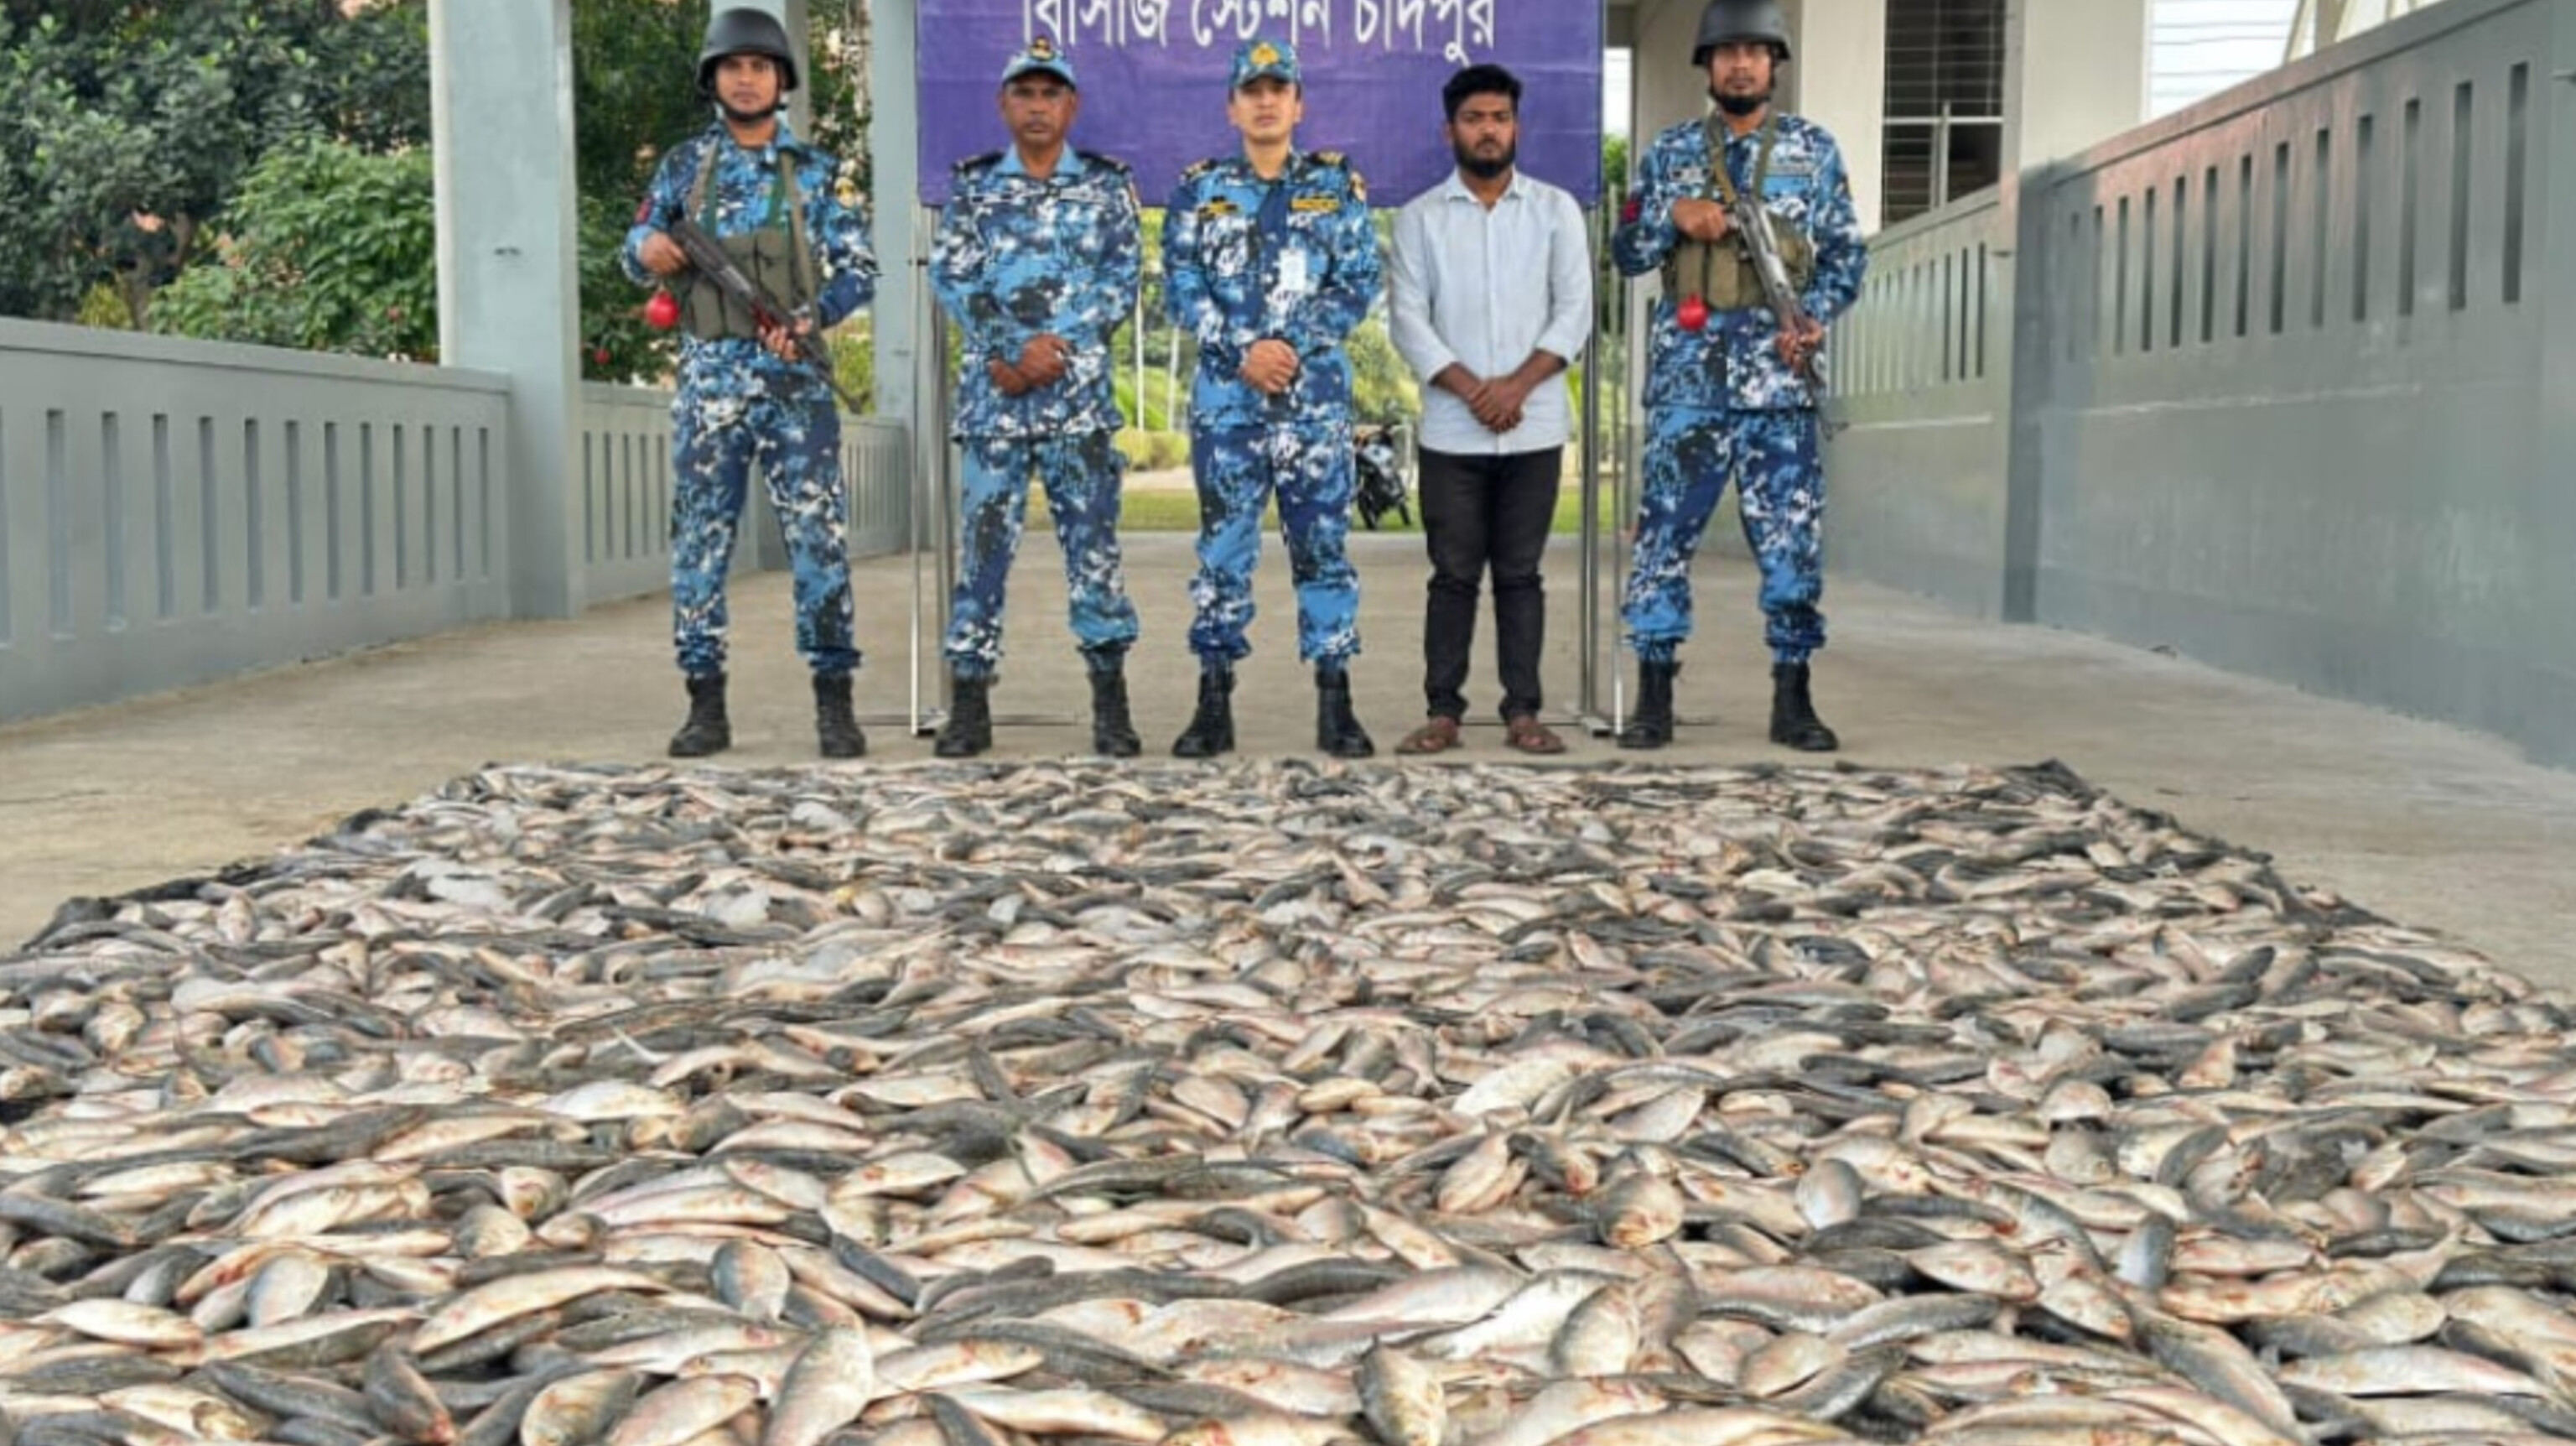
{"x":1652,"y":725}
{"x":1113,"y":732}
{"x":969,"y":729}
{"x":1211,"y":729}
{"x":1793,"y":714}
{"x":707,"y":731}
{"x":1337,"y":728}
{"x":834,"y":724}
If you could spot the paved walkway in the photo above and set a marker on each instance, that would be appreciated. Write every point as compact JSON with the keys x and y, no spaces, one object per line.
{"x":2427,"y":824}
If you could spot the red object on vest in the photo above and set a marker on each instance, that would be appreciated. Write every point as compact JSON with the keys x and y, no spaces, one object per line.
{"x":663,"y":311}
{"x":1693,"y":314}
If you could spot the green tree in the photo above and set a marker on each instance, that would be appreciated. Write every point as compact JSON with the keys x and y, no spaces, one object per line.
{"x":126,"y":126}
{"x":1382,"y":388}
{"x":326,"y":247}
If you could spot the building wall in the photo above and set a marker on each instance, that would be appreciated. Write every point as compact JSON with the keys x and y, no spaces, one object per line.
{"x":2293,"y":382}
{"x":1839,"y":80}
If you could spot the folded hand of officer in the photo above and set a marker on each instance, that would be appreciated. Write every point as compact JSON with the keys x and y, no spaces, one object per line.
{"x":1270,"y":365}
{"x":1043,"y":362}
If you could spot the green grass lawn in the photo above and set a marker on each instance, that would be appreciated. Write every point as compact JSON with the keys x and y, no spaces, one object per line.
{"x":1173,"y":511}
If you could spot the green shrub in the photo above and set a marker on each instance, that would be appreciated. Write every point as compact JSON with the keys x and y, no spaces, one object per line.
{"x":1138,"y":447}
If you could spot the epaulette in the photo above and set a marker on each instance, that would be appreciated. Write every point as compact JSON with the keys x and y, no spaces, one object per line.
{"x":1095,"y":158}
{"x":1331,"y":158}
{"x":977,"y":163}
{"x":1197,"y":169}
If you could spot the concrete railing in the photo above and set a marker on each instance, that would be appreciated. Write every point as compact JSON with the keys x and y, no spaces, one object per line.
{"x":626,"y":493}
{"x":175,"y":511}
{"x":2291,"y":385}
{"x":1922,"y":374}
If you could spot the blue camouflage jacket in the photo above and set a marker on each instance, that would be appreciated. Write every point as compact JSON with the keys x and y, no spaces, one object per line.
{"x":1017,"y":258}
{"x":1248,"y":259}
{"x":1734,"y":362}
{"x":741,"y":196}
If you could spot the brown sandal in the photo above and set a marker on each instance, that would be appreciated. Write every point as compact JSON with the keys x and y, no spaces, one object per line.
{"x":1436,"y":736}
{"x":1529,"y":735}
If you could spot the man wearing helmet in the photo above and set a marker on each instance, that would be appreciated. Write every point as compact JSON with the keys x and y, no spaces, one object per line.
{"x":1724,"y":395}
{"x":744,"y":393}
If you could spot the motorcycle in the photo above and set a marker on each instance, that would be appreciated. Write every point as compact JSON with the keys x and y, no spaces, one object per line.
{"x":1381,"y":480}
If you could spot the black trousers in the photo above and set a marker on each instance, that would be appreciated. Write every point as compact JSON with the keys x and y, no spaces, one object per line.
{"x":1480,"y":513}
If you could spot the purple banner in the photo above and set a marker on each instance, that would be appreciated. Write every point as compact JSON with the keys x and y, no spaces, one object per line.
{"x":1154,"y":76}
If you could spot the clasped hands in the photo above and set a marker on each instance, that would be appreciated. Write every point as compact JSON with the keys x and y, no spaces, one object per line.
{"x":1043,"y":361}
{"x":1497,"y":402}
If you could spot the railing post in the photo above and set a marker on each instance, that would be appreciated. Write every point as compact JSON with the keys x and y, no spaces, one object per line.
{"x":2032,"y":381}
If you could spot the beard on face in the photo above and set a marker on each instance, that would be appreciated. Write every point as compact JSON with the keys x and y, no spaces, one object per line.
{"x":1480,"y":167}
{"x":1740,"y":104}
{"x":744,"y":117}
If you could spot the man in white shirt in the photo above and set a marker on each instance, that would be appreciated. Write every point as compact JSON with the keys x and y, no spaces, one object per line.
{"x":1492,"y":294}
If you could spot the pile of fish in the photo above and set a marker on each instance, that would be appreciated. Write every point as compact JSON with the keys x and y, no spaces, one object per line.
{"x":1275,"y":1105}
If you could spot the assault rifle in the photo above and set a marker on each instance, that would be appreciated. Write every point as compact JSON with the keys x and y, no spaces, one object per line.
{"x":1751,"y":222}
{"x":707,"y":257}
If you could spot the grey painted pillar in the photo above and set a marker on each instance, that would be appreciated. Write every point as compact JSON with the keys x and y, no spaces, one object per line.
{"x":2091,"y":86}
{"x":894,"y":148}
{"x":509,"y":294}
{"x":800,"y":107}
{"x":1839,"y":80}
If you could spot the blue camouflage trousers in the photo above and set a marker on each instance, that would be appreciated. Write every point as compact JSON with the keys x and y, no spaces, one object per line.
{"x":1778,"y":470}
{"x":718,"y":436}
{"x":1307,"y":466}
{"x":1081,"y":471}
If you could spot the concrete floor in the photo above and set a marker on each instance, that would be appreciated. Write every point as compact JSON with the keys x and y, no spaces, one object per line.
{"x":2430,"y":825}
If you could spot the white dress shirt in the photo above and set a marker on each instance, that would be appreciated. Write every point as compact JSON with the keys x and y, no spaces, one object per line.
{"x":1484,"y":289}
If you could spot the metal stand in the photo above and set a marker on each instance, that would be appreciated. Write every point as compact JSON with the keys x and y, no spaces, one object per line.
{"x":1609,"y":361}
{"x":936,"y":468}
{"x":929,"y":508}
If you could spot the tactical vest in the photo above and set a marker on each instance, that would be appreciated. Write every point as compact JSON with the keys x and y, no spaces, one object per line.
{"x":1722,"y":274}
{"x":773,"y":254}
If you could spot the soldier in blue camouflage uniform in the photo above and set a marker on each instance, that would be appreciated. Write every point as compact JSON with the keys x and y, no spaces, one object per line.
{"x":1039,"y":259}
{"x":1725,"y":398}
{"x":1272,"y":261}
{"x":744,"y":397}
